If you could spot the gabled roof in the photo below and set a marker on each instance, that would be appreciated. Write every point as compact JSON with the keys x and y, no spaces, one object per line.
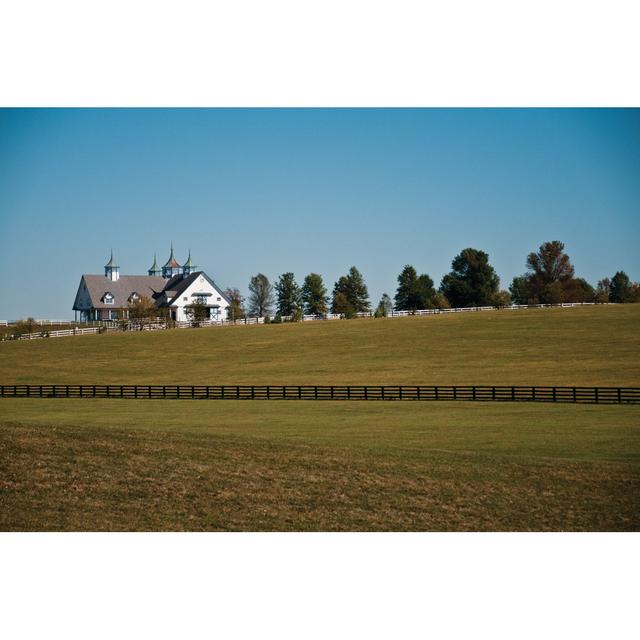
{"x":178,"y":284}
{"x":121,"y":289}
{"x":160,"y":290}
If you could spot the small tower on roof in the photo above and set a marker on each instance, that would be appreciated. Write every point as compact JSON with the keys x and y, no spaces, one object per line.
{"x":171,"y":267}
{"x":188,"y":267}
{"x":111,"y":269}
{"x":155,"y":269}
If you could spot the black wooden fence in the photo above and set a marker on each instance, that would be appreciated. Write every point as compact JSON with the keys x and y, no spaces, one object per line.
{"x":595,"y":395}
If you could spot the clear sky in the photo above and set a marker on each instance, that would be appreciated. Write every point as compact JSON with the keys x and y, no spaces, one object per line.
{"x":302,"y":190}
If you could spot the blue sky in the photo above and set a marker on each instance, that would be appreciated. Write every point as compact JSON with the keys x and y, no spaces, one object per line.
{"x":302,"y":190}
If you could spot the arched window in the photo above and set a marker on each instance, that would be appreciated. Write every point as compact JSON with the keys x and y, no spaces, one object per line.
{"x":107,"y":298}
{"x":134,"y":297}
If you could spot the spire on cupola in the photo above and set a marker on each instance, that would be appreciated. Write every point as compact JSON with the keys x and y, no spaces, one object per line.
{"x":111,"y":269}
{"x":155,"y":269}
{"x":171,"y":267}
{"x":188,"y":267}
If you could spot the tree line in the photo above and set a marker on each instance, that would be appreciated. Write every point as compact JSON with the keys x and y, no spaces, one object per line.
{"x":472,"y":282}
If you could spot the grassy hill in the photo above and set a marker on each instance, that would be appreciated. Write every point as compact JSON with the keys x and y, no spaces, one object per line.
{"x":135,"y":465}
{"x":581,"y":346}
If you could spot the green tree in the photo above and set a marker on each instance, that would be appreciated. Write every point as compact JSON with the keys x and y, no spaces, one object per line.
{"x":289,"y":296}
{"x":354,"y":290}
{"x":260,"y":296}
{"x":549,"y":280}
{"x":502,"y":299}
{"x":25,"y":326}
{"x":550,"y":264}
{"x":620,"y":288}
{"x":235,"y":310}
{"x":440,"y":301}
{"x":342,"y":305}
{"x":578,"y":290}
{"x":197,"y":312}
{"x":414,"y":292}
{"x":314,"y":295}
{"x":385,"y":307}
{"x":472,"y":281}
{"x":602,"y":290}
{"x":142,"y":310}
{"x":520,"y":290}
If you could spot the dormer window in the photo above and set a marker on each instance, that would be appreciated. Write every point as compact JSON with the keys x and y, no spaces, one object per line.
{"x":107,"y":298}
{"x":134,"y":297}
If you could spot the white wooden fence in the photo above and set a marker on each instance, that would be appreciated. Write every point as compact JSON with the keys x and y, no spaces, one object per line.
{"x":157,"y":325}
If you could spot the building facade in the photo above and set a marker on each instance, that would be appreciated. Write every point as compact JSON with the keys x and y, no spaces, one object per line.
{"x":173,"y":287}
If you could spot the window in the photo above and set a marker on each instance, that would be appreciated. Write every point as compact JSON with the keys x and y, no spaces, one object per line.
{"x":134,"y":297}
{"x":185,"y":299}
{"x":218,"y":299}
{"x":107,"y":298}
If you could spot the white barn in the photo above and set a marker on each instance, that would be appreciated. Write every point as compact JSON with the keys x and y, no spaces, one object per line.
{"x":174,"y":287}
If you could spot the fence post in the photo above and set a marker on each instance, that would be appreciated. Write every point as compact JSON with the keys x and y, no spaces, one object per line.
{"x":67,"y":391}
{"x":473,"y":392}
{"x":574,"y":394}
{"x":597,"y":396}
{"x":619,"y":396}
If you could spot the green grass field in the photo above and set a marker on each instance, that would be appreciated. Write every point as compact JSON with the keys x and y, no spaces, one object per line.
{"x":229,"y":465}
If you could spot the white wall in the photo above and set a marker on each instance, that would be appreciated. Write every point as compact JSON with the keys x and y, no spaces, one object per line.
{"x":200,"y":285}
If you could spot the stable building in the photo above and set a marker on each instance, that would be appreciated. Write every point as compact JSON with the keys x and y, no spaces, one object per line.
{"x":173,"y":287}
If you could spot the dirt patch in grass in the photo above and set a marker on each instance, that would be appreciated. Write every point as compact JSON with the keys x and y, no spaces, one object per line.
{"x":90,"y":478}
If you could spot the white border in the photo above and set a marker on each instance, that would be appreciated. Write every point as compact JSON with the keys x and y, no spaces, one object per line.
{"x":329,"y":53}
{"x":319,"y":586}
{"x":319,"y":53}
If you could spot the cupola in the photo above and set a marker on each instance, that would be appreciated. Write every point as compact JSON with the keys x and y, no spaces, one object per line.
{"x":111,"y":269}
{"x":188,"y":267}
{"x":171,"y":267}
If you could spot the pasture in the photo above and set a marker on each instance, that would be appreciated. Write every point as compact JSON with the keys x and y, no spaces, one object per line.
{"x":243,"y":465}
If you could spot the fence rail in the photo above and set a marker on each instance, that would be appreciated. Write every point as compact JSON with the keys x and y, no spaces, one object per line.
{"x":591,"y":395}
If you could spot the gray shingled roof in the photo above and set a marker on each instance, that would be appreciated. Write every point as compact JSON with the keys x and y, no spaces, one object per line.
{"x":121,"y":289}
